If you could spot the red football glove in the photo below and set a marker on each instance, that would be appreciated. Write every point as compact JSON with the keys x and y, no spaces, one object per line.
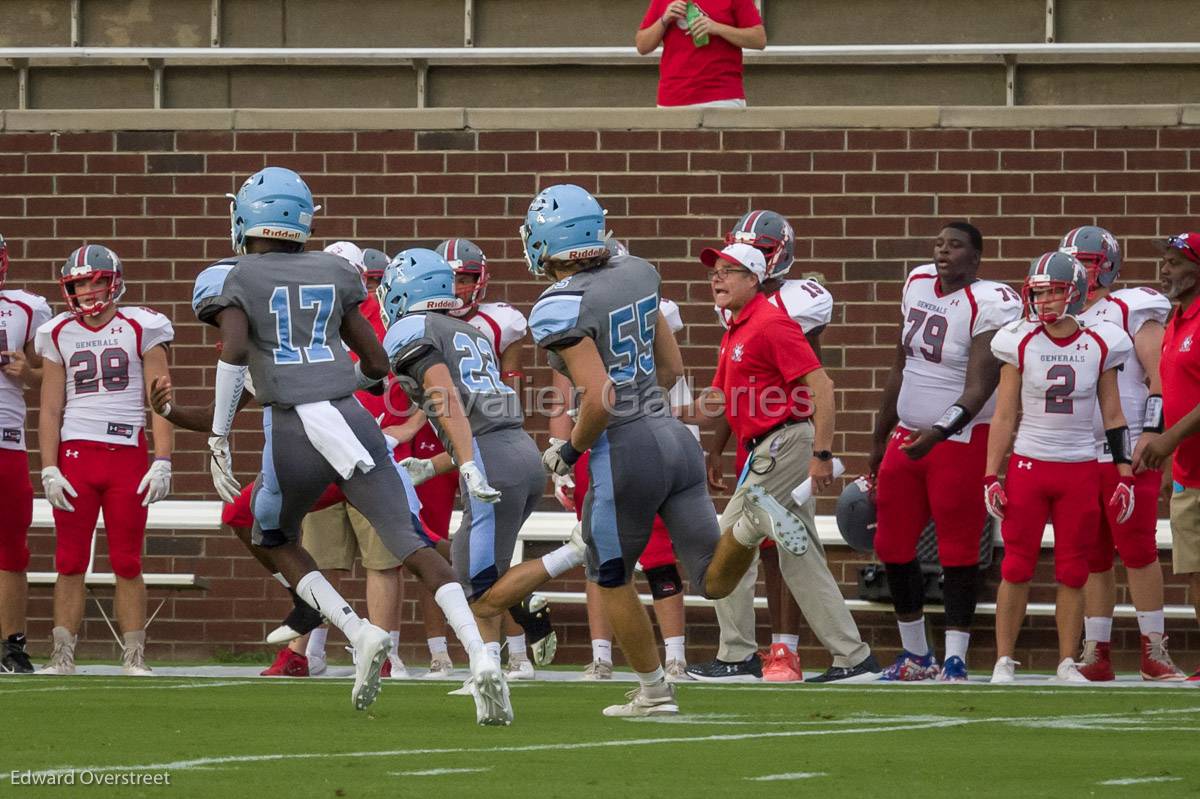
{"x":1121,"y":503}
{"x":994,"y":497}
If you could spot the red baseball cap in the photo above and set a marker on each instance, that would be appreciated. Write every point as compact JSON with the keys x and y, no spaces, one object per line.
{"x":1188,"y":245}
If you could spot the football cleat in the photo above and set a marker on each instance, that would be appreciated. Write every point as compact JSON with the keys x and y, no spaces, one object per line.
{"x":911,"y":668}
{"x":372,"y":646}
{"x":1096,"y":662}
{"x":1068,"y":672}
{"x":598,"y":670}
{"x":1157,"y":665}
{"x":440,"y":668}
{"x":749,"y":670}
{"x":133,"y":658}
{"x":394,"y":668}
{"x":288,"y":664}
{"x":867,"y":671}
{"x":519,"y":669}
{"x":62,"y":658}
{"x":953,"y":670}
{"x":533,"y":614}
{"x":784,"y":527}
{"x":1195,"y":677}
{"x":1005,"y":671}
{"x":14,"y":659}
{"x":782,"y":665}
{"x":675,"y":669}
{"x":646,"y":700}
{"x":493,"y":708}
{"x":466,"y":689}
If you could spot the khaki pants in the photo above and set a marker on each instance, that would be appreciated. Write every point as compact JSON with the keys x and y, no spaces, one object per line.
{"x":779,"y":464}
{"x":1185,"y":530}
{"x":338,"y":534}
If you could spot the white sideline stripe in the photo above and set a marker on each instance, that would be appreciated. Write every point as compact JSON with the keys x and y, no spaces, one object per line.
{"x":795,"y":775}
{"x":437,"y":772}
{"x":1140,"y":780}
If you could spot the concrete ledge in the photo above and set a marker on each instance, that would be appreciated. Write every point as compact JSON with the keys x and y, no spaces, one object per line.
{"x":775,"y":118}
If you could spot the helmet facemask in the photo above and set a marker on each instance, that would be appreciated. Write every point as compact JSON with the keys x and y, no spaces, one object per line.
{"x":87,"y":296}
{"x":1043,"y":297}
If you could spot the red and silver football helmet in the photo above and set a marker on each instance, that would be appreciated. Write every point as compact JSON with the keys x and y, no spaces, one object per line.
{"x":772,"y":234}
{"x":466,"y":258}
{"x":83,"y":277}
{"x":1097,"y":250}
{"x":1053,"y":277}
{"x":3,"y":261}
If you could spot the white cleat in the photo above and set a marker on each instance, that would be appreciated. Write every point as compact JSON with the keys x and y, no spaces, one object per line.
{"x":519,"y":669}
{"x":1005,"y":671}
{"x":133,"y":662}
{"x":493,"y":707}
{"x":676,"y":671}
{"x":283,"y":634}
{"x":783,"y":526}
{"x":598,"y":670}
{"x":62,"y":659}
{"x":372,"y":646}
{"x":465,"y":689}
{"x":440,"y":668}
{"x":1068,"y":671}
{"x":655,"y":700}
{"x":396,"y":670}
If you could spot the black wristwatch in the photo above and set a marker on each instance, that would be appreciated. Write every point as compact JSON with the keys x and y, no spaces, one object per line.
{"x":823,"y":455}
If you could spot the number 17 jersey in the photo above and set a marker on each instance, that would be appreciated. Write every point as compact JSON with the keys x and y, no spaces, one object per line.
{"x":937,"y":333}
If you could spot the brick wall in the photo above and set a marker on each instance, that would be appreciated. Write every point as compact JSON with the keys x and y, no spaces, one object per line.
{"x":865,"y":205}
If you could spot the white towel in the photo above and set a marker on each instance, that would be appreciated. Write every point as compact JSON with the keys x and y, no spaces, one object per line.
{"x":328,"y":432}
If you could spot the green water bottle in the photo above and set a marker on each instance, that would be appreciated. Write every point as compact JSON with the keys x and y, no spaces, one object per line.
{"x":694,"y":13}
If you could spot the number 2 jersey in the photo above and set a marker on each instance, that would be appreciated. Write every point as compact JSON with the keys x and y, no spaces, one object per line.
{"x":21,"y":314}
{"x":418,"y":341}
{"x":937,"y":333}
{"x":295,"y":303}
{"x":106,"y":395}
{"x":1129,"y":309}
{"x":615,"y":305}
{"x":1059,"y":380}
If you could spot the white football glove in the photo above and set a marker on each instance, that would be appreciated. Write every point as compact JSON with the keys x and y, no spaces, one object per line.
{"x":156,"y":483}
{"x":564,"y":491}
{"x":57,"y":488}
{"x":419,"y":469}
{"x":477,"y":484}
{"x":552,"y":458}
{"x":220,"y":466}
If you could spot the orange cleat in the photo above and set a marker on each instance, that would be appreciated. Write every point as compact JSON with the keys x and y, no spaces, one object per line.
{"x":782,"y":665}
{"x":287,"y":664}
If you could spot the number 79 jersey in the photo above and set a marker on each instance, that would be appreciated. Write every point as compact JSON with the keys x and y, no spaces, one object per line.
{"x":937,"y":333}
{"x":1059,"y":380}
{"x":106,"y":396}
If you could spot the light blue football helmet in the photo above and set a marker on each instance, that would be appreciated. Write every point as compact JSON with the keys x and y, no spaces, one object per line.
{"x":416,"y":280}
{"x":564,"y":223}
{"x":273,"y":203}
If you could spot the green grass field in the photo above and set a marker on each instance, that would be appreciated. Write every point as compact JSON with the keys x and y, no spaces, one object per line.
{"x":262,"y":738}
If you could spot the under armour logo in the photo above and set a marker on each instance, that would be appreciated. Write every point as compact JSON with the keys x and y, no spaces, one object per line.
{"x":1025,"y":464}
{"x":5,"y":313}
{"x":1082,"y":346}
{"x":954,"y":302}
{"x":425,"y":445}
{"x":72,"y":453}
{"x":118,"y":329}
{"x":738,"y":350}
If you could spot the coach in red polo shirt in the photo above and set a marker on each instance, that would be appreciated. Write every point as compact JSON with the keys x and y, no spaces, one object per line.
{"x":1180,"y":372}
{"x":779,"y":403}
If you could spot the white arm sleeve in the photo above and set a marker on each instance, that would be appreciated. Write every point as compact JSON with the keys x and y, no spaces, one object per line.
{"x":230,"y":381}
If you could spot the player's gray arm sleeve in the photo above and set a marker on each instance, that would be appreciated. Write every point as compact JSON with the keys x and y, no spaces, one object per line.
{"x":416,"y":359}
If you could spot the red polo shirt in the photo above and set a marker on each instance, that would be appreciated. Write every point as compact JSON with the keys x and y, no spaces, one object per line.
{"x":688,"y":74}
{"x":1180,"y":372}
{"x":370,"y":309}
{"x":764,"y":355}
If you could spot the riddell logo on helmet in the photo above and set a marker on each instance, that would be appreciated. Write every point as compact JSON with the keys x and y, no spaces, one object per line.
{"x":438,"y":305}
{"x":586,"y":252}
{"x":279,"y":233}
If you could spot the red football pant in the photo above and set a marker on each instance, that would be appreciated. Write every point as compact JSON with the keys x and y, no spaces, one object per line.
{"x":947,"y":485}
{"x":658,"y":551}
{"x":16,"y":500}
{"x":1064,"y":493}
{"x":1136,"y":540}
{"x":106,"y":477}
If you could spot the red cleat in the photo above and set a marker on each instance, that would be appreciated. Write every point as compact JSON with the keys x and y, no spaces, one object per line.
{"x":1195,"y":677}
{"x":1156,"y":663}
{"x":287,"y":664}
{"x":782,"y":665}
{"x":1096,"y":661}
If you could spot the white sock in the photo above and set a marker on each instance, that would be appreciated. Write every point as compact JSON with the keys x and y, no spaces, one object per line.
{"x":493,"y":649}
{"x":602,"y":650}
{"x":453,"y":602}
{"x":792,"y":642}
{"x":562,"y":560}
{"x":282,"y":580}
{"x":912,"y":636}
{"x":1098,"y":628}
{"x":1151,"y":622}
{"x":395,"y":636}
{"x":775,"y":639}
{"x":314,"y":589}
{"x":655,"y":677}
{"x":956,"y":644}
{"x":316,"y":642}
{"x":437,"y":646}
{"x":676,"y":648}
{"x":516,"y":647}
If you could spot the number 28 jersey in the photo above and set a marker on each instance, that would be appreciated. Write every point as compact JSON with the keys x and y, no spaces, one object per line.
{"x":106,"y":396}
{"x":1059,"y":380}
{"x":937,"y":333}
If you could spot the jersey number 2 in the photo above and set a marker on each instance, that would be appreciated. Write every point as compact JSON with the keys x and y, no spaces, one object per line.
{"x":933,"y":332}
{"x":1058,"y":398}
{"x":319,"y":297}
{"x":631,"y":339}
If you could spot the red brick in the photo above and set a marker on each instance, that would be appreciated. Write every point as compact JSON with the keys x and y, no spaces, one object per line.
{"x":477,"y":206}
{"x":628,"y":140}
{"x":1001,"y":139}
{"x":537,"y":162}
{"x":939,"y":139}
{"x":1064,"y":182}
{"x":54,"y":163}
{"x":712,"y":205}
{"x":356,"y":163}
{"x":567,"y":140}
{"x":1156,"y":160}
{"x":675,"y":184}
{"x":1184,"y":138}
{"x":83,"y":227}
{"x":938,"y":182}
{"x":416,"y":162}
{"x":1127,"y":138}
{"x":597,"y":162}
{"x":967,"y":205}
{"x":54,"y":206}
{"x":84,"y":142}
{"x":841,"y":206}
{"x":507,"y":140}
{"x":386,"y":140}
{"x":204,"y":140}
{"x":690,"y":140}
{"x":1127,"y":181}
{"x":1090,"y":205}
{"x":905,"y":161}
{"x":814,"y":140}
{"x":874,"y":183}
{"x":1031,"y":204}
{"x":475,"y":162}
{"x":416,"y":205}
{"x":324,"y":141}
{"x":307,"y":164}
{"x":1033,"y":161}
{"x":842,"y":162}
{"x":814,"y":183}
{"x":26,"y":142}
{"x":1001,"y":183}
{"x":968,"y":160}
{"x":236,"y":163}
{"x":67,"y":184}
{"x":779,"y":162}
{"x":751,"y":140}
{"x":132,"y":205}
{"x":904,"y":204}
{"x":12,"y":164}
{"x":268,"y":141}
{"x":1063,"y":139}
{"x":1156,"y":204}
{"x":876,"y":140}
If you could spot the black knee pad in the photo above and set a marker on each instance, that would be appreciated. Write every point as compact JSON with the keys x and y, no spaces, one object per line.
{"x":664,"y":581}
{"x":611,"y":574}
{"x":269,"y":539}
{"x":960,"y":589}
{"x":907,"y":586}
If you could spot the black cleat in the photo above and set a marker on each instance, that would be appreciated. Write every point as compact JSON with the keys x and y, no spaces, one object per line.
{"x":723,"y":671}
{"x":867,"y":671}
{"x":15,"y":660}
{"x":534,"y":617}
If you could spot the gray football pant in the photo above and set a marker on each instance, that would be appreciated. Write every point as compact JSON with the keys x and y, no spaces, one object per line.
{"x":779,"y":464}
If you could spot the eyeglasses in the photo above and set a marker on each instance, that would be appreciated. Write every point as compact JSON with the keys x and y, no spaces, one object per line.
{"x":1181,"y":243}
{"x":724,"y":272}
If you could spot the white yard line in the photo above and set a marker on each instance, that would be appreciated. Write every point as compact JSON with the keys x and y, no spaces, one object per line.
{"x":795,"y":775}
{"x":437,"y":772}
{"x":1140,"y":780}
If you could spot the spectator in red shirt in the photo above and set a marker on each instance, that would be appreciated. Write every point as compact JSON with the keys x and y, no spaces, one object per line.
{"x":701,"y":75}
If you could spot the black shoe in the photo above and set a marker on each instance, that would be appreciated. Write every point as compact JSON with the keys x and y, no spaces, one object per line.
{"x":722,"y":671}
{"x":303,"y":618}
{"x":533,"y":614}
{"x":15,"y":660}
{"x":867,"y":671}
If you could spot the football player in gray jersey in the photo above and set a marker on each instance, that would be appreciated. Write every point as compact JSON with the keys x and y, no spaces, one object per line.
{"x":450,"y":370}
{"x":601,"y":325}
{"x":287,"y":312}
